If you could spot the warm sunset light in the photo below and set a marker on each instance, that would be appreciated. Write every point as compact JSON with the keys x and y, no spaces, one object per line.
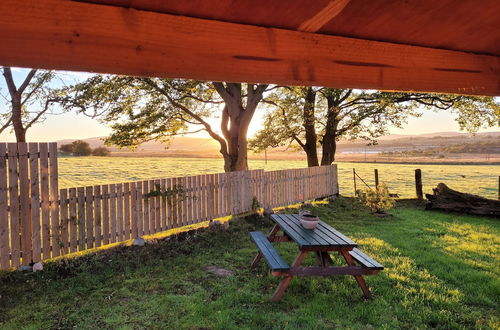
{"x":250,"y":164}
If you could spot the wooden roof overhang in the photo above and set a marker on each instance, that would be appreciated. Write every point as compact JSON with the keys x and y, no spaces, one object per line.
{"x":440,"y":46}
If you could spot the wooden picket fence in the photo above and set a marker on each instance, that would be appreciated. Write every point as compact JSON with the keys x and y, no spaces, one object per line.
{"x":38,"y":221}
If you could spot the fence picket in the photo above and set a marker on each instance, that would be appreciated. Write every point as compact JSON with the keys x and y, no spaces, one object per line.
{"x":112,"y":213}
{"x":126,"y":210}
{"x":54,"y":198}
{"x":97,"y":216}
{"x":4,"y":218}
{"x":63,"y":237}
{"x":35,"y":202}
{"x":81,"y":218}
{"x":133,"y":211}
{"x":105,"y":214}
{"x":14,"y":205}
{"x":72,"y":220}
{"x":45,"y":199}
{"x":119,"y":212}
{"x":89,"y":216}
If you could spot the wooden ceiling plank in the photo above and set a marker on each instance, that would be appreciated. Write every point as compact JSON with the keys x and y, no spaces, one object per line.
{"x":67,"y":35}
{"x":324,"y":16}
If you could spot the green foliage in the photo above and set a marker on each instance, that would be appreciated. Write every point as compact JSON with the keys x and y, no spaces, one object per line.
{"x":143,"y":109}
{"x":378,"y":200}
{"x":66,"y":148}
{"x":100,"y":151}
{"x":440,"y":273}
{"x":356,"y":114}
{"x":81,"y":148}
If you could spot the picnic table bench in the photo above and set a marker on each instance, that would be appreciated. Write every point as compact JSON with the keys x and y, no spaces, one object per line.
{"x":320,"y":240}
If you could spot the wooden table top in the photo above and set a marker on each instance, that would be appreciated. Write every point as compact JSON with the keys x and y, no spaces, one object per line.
{"x":323,"y":236}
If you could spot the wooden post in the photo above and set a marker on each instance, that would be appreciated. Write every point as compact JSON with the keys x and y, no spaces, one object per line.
{"x":418,"y":184}
{"x":354,"y":179}
{"x":376,"y":178}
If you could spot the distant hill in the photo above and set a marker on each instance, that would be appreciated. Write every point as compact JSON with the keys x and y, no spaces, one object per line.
{"x":184,"y":146}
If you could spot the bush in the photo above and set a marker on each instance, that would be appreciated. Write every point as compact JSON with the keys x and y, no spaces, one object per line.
{"x":66,"y":148}
{"x":100,"y":151}
{"x":377,"y":200}
{"x":81,"y":148}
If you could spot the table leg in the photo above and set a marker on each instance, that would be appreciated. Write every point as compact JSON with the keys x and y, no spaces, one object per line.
{"x":271,"y":235}
{"x":359,"y":278}
{"x":287,"y":279}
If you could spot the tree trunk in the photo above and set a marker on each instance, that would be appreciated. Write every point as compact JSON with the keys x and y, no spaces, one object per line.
{"x":448,"y":199}
{"x":235,"y":121}
{"x":329,"y":145}
{"x":17,"y":121}
{"x":310,"y":147}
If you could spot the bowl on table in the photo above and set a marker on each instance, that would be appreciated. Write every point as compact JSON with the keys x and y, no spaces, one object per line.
{"x":309,"y":221}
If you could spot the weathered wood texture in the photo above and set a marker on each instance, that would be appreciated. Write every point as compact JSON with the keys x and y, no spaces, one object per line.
{"x":444,"y":198}
{"x":69,"y":35}
{"x":38,"y":221}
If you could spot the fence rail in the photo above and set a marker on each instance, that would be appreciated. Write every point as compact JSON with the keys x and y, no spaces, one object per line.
{"x":38,"y":221}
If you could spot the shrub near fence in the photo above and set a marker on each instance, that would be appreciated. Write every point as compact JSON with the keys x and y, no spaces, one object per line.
{"x":38,"y":221}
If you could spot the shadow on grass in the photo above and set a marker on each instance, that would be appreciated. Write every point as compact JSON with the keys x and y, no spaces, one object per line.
{"x":166,"y":284}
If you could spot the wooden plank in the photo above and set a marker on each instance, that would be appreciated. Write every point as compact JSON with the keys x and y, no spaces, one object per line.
{"x":4,"y":214}
{"x":197,"y":194}
{"x":170,"y":203}
{"x":139,"y":203}
{"x":89,"y":216}
{"x":15,"y":238}
{"x":133,"y":210}
{"x":81,"y":221}
{"x":158,"y":225}
{"x":189,"y":201}
{"x":97,"y":216}
{"x":163,"y":207}
{"x":105,"y":214}
{"x":145,"y":202}
{"x":35,"y":202}
{"x":54,"y":199}
{"x":112,"y":213}
{"x":126,"y":210}
{"x":275,"y":261}
{"x":119,"y":212}
{"x":63,"y":237}
{"x":45,"y":199}
{"x":152,"y":208}
{"x":68,"y":35}
{"x":325,"y":15}
{"x":72,"y":220}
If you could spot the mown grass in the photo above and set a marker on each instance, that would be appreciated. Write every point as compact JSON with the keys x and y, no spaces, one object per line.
{"x":476,"y":179}
{"x":442,"y":271}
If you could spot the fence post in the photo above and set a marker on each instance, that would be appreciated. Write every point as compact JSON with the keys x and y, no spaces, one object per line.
{"x":376,"y":178}
{"x":354,"y":179}
{"x":418,"y":184}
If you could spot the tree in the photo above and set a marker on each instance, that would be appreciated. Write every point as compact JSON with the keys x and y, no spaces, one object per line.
{"x":144,"y":109}
{"x":81,"y":148}
{"x":100,"y":151}
{"x":66,"y":148}
{"x":29,"y":103}
{"x":310,"y":116}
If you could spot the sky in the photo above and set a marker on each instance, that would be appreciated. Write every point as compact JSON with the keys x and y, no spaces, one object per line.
{"x":78,"y":126}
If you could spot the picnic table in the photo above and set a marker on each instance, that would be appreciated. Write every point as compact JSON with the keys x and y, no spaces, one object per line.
{"x":320,"y":241}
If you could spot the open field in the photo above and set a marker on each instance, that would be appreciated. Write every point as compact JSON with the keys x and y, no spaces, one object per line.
{"x":83,"y":171}
{"x":441,"y":271}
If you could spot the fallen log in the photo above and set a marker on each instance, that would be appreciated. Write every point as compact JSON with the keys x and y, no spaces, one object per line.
{"x":444,"y":198}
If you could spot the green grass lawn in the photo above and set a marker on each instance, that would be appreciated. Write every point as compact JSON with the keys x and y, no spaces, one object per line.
{"x":442,"y":271}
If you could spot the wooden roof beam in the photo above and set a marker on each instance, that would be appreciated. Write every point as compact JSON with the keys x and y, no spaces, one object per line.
{"x":325,"y":15}
{"x":68,"y":35}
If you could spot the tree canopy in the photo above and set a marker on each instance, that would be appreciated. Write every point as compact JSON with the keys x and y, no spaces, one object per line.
{"x":310,"y":117}
{"x":29,"y":102}
{"x":144,"y":109}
